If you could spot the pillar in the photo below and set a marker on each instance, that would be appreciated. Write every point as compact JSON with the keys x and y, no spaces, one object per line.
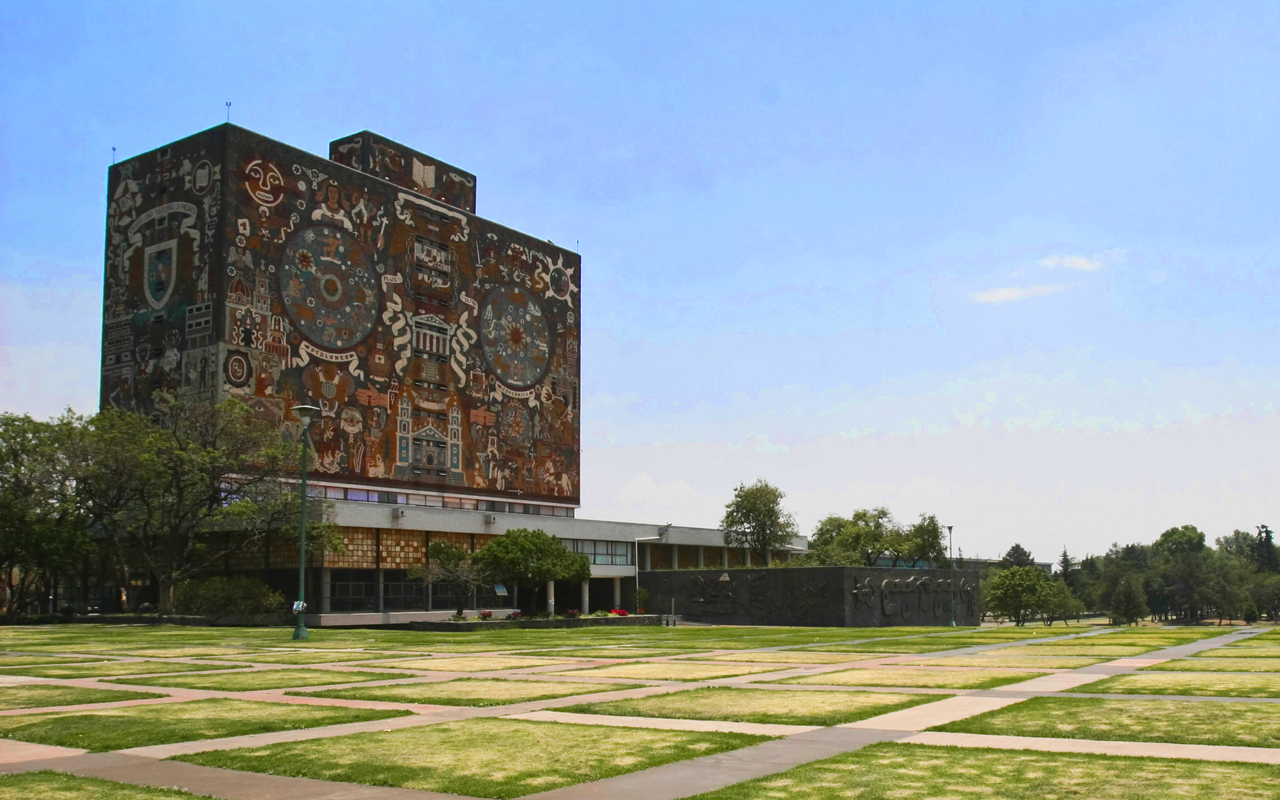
{"x":378,"y":582}
{"x":551,"y":597}
{"x":675,"y":556}
{"x":648,"y":557}
{"x":617,"y":592}
{"x":586,"y":597}
{"x":724,"y":557}
{"x":746,"y":556}
{"x":700,"y":554}
{"x":324,"y":591}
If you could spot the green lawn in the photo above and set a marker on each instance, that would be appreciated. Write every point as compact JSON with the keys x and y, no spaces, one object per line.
{"x":60,"y":786}
{"x":478,"y":757}
{"x":478,"y":663}
{"x":917,"y":772}
{"x":608,"y":652}
{"x":481,"y":692}
{"x":788,"y":657}
{"x":760,"y":705}
{"x":927,"y":678}
{"x":258,"y":680}
{"x":315,"y":657}
{"x":1181,"y":683}
{"x":998,"y":660}
{"x":142,"y":726}
{"x":668,"y":671}
{"x":1055,"y":649}
{"x":930,"y":645}
{"x":1217,"y":665}
{"x":1243,"y":650}
{"x":26,"y":661}
{"x":1171,"y":721}
{"x":107,"y":669}
{"x":46,"y":696}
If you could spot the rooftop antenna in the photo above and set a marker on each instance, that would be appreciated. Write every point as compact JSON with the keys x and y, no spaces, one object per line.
{"x":228,"y":111}
{"x":113,"y":155}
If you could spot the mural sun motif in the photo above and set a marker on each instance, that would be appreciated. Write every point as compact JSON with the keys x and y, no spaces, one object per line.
{"x":329,"y":291}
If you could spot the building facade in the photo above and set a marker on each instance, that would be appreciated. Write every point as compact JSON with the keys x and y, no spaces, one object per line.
{"x":441,"y":348}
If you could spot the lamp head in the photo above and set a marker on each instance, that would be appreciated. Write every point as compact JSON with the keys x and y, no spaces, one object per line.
{"x":305,"y":413}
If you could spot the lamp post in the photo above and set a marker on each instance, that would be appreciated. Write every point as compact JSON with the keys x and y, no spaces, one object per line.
{"x":300,"y":607}
{"x":951,"y":556}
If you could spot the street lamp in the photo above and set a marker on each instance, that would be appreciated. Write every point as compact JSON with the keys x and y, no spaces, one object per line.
{"x":300,"y":608}
{"x":951,"y":556}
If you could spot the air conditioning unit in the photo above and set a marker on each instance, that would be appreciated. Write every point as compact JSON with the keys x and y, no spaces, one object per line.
{"x":397,"y":513}
{"x":490,"y":519}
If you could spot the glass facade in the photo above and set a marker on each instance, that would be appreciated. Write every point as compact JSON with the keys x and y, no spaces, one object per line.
{"x":612,"y":554}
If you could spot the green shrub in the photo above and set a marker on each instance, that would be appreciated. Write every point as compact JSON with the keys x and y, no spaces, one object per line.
{"x":1250,"y":614}
{"x":224,"y":596}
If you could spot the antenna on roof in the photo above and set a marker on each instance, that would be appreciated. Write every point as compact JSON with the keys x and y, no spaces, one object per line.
{"x":113,"y":155}
{"x":228,"y":111}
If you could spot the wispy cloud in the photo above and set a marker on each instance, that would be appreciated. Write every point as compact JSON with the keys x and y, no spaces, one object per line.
{"x":1085,"y":263}
{"x":1008,"y":294}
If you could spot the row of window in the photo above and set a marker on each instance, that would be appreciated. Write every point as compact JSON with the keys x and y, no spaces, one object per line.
{"x":617,"y":554}
{"x":434,"y":501}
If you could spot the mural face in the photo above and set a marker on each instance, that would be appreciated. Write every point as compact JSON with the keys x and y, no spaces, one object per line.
{"x":441,"y":349}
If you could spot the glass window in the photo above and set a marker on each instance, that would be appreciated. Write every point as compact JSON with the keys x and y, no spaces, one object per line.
{"x":452,"y":502}
{"x":334,"y":493}
{"x":357,"y":494}
{"x":470,"y":505}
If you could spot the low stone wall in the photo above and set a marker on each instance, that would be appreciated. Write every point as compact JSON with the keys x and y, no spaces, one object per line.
{"x":815,"y":596}
{"x":576,"y":622}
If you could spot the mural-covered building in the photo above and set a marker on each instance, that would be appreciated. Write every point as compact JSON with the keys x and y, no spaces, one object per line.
{"x":442,"y":348}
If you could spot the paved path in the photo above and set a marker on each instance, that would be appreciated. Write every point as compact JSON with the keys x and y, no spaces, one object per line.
{"x":701,"y":725}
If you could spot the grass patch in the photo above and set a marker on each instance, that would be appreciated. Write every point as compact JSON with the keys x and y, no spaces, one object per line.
{"x":258,"y":680}
{"x":478,"y":757}
{"x":478,"y":664}
{"x":760,"y":705}
{"x":1009,"y":662}
{"x":479,"y":692}
{"x":26,"y":661}
{"x":1101,"y":650}
{"x":1242,"y":650}
{"x":60,"y":786}
{"x":789,"y":657}
{"x":321,"y":657}
{"x":933,"y":645}
{"x":107,"y":669}
{"x":1217,"y":665}
{"x":1189,"y":685}
{"x":45,"y":696}
{"x":1171,"y":721}
{"x":142,"y":726}
{"x":609,"y":652}
{"x":919,"y":771}
{"x":917,"y":678}
{"x":667,"y":671}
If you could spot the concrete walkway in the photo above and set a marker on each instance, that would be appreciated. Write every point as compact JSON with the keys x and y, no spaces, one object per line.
{"x":667,"y":724}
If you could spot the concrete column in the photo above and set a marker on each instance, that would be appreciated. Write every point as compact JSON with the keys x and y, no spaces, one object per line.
{"x":378,"y":581}
{"x":617,"y":592}
{"x":648,"y":557}
{"x":551,"y":597}
{"x":586,"y":598}
{"x":746,"y":556}
{"x":324,"y":591}
{"x":675,"y":556}
{"x":700,"y":554}
{"x":724,"y":557}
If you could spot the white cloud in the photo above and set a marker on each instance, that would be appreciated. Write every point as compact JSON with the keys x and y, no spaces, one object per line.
{"x":1009,"y":294}
{"x":1085,"y":263}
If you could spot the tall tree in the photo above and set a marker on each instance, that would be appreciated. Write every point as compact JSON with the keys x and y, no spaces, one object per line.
{"x":925,"y":541}
{"x":1265,"y":555}
{"x":1017,"y":593}
{"x":41,"y":529}
{"x":175,"y":492}
{"x":448,"y":564}
{"x":1017,"y":556}
{"x":1127,"y":604}
{"x":755,"y":519}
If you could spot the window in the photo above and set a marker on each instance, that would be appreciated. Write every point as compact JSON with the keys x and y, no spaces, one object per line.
{"x":334,"y":493}
{"x":359,"y":494}
{"x":602,"y":553}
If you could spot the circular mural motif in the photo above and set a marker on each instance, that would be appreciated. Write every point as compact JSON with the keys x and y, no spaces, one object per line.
{"x":236,"y":366}
{"x":329,"y":291}
{"x":514,"y":336}
{"x":515,"y":426}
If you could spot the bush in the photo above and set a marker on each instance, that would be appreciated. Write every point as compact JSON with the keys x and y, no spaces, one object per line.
{"x":224,"y":596}
{"x":1250,"y":614}
{"x":572,"y":613}
{"x":514,"y":615}
{"x":486,"y":615}
{"x":618,"y":612}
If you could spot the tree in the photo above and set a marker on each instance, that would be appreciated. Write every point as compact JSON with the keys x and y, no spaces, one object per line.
{"x":856,"y":541}
{"x":1067,"y":570}
{"x":1058,"y":603}
{"x":755,"y":519}
{"x":1265,"y":556}
{"x":41,"y":528}
{"x":1017,"y":556}
{"x":176,"y":492}
{"x":1127,"y":602}
{"x":1016,"y":593}
{"x":529,"y":559}
{"x":922,"y":541}
{"x":450,"y":565}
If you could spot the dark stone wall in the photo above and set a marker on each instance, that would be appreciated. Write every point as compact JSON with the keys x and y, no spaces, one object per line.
{"x":815,"y":596}
{"x":442,"y":348}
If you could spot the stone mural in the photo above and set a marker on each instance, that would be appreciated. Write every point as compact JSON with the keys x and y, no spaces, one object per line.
{"x":442,"y":349}
{"x":816,"y":596}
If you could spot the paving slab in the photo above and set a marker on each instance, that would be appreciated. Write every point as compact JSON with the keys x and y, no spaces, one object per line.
{"x":1197,"y":752}
{"x":15,"y":752}
{"x":931,"y":714}
{"x":1056,"y":682}
{"x":698,"y":775}
{"x":665,"y":724}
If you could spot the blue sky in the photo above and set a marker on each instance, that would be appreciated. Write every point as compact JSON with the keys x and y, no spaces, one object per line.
{"x":1013,"y":264}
